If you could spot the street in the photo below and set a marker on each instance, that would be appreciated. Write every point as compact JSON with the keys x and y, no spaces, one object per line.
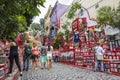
{"x":66,"y":72}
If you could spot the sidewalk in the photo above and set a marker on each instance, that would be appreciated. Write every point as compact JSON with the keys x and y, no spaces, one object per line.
{"x":66,"y":72}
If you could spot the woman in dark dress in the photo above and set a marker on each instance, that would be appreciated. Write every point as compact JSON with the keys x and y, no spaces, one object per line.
{"x":14,"y":55}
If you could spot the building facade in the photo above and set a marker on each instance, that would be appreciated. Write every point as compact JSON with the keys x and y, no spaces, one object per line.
{"x":92,"y":6}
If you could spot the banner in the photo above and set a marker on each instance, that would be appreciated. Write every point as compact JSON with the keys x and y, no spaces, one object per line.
{"x":58,"y":10}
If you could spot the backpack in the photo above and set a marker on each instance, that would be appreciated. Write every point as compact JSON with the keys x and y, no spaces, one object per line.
{"x":28,"y":50}
{"x":43,"y":52}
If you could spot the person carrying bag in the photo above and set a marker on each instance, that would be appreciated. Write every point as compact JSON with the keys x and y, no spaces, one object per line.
{"x":99,"y":57}
{"x":27,"y":55}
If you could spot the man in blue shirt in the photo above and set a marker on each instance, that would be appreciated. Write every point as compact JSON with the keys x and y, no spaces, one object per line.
{"x":76,"y":38}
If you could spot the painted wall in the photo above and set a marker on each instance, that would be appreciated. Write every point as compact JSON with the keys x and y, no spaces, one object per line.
{"x":91,"y":6}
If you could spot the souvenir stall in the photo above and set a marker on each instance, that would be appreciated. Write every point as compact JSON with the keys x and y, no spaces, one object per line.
{"x":67,"y":55}
{"x":112,"y":56}
{"x":89,"y":35}
{"x":84,"y":54}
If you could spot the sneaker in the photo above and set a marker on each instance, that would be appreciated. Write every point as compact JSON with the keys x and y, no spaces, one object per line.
{"x":20,"y":73}
{"x":10,"y":74}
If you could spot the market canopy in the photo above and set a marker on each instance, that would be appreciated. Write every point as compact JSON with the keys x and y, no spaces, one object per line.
{"x":109,"y":30}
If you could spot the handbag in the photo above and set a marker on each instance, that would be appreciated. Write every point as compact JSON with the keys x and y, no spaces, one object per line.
{"x":99,"y":57}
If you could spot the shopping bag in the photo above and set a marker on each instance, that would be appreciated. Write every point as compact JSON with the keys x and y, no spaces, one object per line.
{"x":99,"y":57}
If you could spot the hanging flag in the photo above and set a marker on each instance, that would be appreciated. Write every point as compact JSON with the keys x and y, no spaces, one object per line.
{"x":61,"y":9}
{"x":58,"y":10}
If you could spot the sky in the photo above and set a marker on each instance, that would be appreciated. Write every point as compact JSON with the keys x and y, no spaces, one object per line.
{"x":47,"y":4}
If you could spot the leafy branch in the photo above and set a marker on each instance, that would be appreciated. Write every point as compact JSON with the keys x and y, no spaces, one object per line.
{"x":73,"y":9}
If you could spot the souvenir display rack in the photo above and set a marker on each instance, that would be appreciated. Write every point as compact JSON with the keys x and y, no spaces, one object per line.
{"x":67,"y":56}
{"x":85,"y":55}
{"x":113,"y":60}
{"x":78,"y":58}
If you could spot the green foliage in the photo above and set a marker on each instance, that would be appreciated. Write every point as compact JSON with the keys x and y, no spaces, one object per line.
{"x":68,"y":23}
{"x":67,"y":32}
{"x":105,"y":15}
{"x":35,"y":28}
{"x":73,"y":9}
{"x":57,"y":43}
{"x":116,"y":18}
{"x":16,"y":15}
{"x":110,"y":16}
{"x":42,"y":21}
{"x":64,"y":26}
{"x":60,"y":34}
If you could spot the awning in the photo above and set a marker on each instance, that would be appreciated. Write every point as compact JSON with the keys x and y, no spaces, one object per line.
{"x":109,"y":30}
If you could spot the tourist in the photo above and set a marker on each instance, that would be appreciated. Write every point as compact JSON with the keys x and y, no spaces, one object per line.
{"x":43,"y":56}
{"x":49,"y":56}
{"x":35,"y":56}
{"x":14,"y":55}
{"x":99,"y":57}
{"x":27,"y":55}
{"x":57,"y":54}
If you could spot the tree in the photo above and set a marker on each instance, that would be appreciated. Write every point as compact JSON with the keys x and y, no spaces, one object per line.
{"x":107,"y":15}
{"x":57,"y":43}
{"x":67,"y":32}
{"x":64,"y":26}
{"x":16,"y":15}
{"x":42,"y":22}
{"x":42,"y":25}
{"x":116,"y":17}
{"x":60,"y":34}
{"x":73,"y":9}
{"x":35,"y":28}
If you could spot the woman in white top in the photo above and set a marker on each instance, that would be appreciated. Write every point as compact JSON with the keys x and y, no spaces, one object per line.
{"x":99,"y":57}
{"x":49,"y":56}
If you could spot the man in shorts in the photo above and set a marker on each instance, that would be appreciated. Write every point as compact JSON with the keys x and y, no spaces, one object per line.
{"x":43,"y":55}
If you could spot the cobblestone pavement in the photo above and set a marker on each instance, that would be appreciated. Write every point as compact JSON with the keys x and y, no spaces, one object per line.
{"x":65,"y":72}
